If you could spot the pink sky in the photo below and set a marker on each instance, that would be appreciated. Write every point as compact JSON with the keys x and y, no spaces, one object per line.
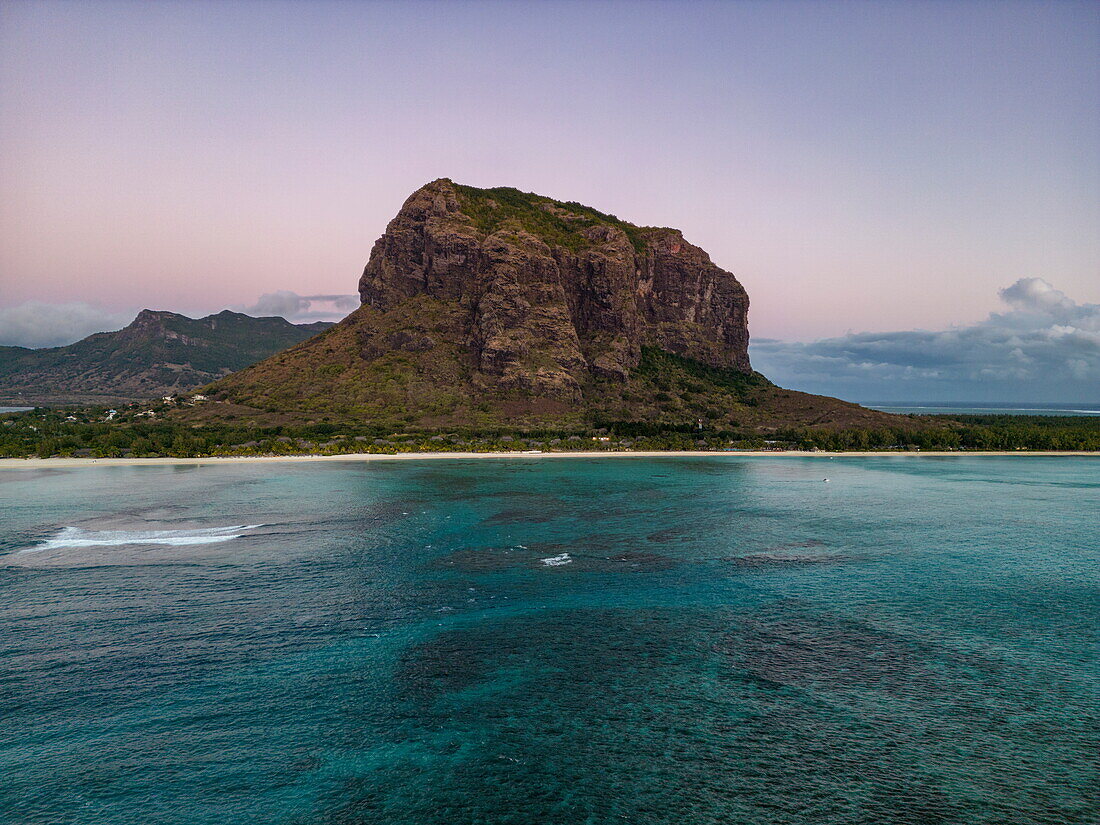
{"x":857,"y":166}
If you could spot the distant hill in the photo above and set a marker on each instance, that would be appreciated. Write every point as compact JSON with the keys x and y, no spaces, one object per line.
{"x":500,"y":308}
{"x":158,"y":354}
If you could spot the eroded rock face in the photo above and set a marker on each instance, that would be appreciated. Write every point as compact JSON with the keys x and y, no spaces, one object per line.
{"x":552,"y":295}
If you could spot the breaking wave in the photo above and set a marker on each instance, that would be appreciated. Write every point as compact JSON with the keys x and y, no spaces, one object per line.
{"x":77,"y":537}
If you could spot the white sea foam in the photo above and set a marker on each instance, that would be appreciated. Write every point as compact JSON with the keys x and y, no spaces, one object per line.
{"x":557,"y":561}
{"x":70,"y":537}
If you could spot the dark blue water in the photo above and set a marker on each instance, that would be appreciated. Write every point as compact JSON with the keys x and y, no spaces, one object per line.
{"x":705,"y":640}
{"x":988,"y":409}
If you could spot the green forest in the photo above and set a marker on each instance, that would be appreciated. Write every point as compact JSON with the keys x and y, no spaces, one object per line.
{"x":88,"y":433}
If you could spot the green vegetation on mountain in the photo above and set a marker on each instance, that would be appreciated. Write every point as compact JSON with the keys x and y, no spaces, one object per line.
{"x":158,"y":354}
{"x":326,"y":381}
{"x":558,"y":223}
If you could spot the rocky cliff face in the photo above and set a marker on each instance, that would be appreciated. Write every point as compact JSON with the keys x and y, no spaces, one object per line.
{"x":554,"y":294}
{"x":495,"y":308}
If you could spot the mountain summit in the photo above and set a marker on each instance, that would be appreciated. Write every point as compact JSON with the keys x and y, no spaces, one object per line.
{"x":158,"y":353}
{"x":556,"y":293}
{"x":492,"y":307}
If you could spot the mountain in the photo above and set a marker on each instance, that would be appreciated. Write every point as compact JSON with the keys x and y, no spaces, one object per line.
{"x":495,"y":307}
{"x":158,"y":354}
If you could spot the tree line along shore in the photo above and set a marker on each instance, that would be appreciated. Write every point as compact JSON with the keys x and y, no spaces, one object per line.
{"x":103,"y":433}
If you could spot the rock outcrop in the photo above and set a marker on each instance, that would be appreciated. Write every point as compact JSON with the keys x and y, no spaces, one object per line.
{"x":554,"y":294}
{"x":495,"y":308}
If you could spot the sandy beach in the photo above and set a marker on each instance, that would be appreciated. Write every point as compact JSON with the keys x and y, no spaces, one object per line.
{"x":69,"y":463}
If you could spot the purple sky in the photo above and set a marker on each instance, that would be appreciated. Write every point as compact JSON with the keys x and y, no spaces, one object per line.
{"x":860,"y":166}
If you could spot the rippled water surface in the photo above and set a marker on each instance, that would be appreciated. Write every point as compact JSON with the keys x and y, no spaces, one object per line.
{"x":537,"y":641}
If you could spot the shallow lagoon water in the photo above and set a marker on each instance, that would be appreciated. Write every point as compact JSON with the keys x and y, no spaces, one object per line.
{"x":680,"y":640}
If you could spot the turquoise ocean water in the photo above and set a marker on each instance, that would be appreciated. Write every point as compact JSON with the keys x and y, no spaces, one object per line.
{"x":536,"y":641}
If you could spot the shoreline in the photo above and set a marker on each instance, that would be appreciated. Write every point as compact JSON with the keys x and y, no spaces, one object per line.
{"x":69,"y":463}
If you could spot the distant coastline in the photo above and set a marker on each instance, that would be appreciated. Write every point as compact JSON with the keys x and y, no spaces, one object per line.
{"x":69,"y":463}
{"x":990,"y":408}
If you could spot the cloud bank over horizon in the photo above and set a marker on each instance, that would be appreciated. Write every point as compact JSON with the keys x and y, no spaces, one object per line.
{"x":1046,"y":347}
{"x":37,"y":324}
{"x":303,"y":308}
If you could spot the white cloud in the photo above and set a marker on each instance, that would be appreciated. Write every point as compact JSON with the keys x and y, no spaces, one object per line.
{"x":1036,"y":295}
{"x":1045,"y":348}
{"x":38,"y":324}
{"x":295,"y":307}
